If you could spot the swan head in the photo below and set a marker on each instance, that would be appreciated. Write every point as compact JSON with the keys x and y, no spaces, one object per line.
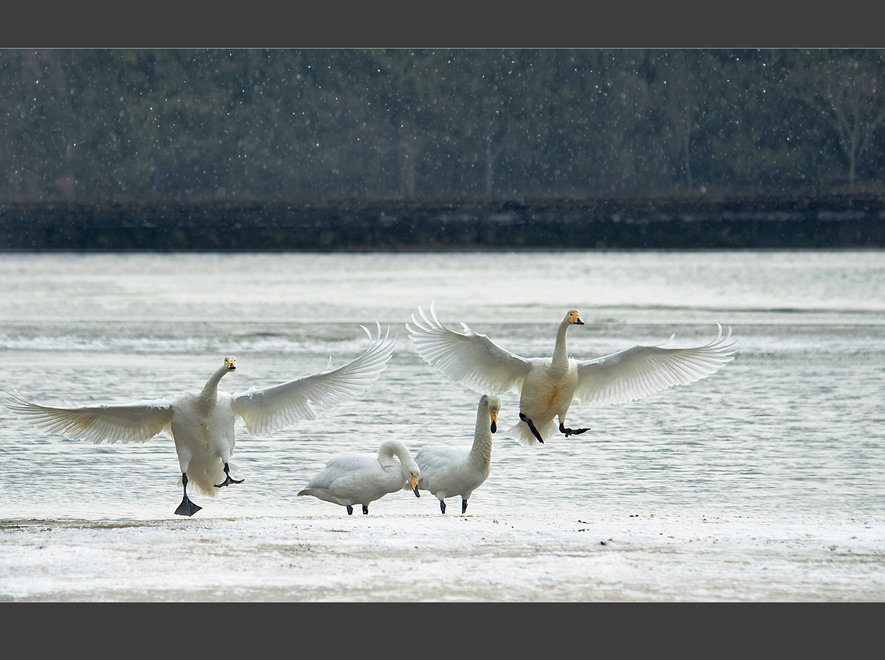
{"x":573,"y":317}
{"x":230,"y":363}
{"x":494,"y":406}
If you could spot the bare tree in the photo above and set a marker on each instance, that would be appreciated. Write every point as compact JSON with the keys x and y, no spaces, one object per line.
{"x":852,"y":100}
{"x":680,"y":107}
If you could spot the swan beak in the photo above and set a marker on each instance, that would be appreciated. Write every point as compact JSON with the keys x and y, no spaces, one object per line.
{"x":576,"y":319}
{"x":230,"y":363}
{"x":494,"y":422}
{"x":414,"y":484}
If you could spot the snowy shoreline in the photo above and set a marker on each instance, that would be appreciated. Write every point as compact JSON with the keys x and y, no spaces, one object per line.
{"x":435,"y":558}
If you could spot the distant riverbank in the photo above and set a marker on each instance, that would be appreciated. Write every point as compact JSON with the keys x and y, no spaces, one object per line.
{"x":751,"y":222}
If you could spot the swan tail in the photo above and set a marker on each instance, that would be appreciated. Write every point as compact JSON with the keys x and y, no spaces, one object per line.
{"x":523,"y":434}
{"x":203,"y":479}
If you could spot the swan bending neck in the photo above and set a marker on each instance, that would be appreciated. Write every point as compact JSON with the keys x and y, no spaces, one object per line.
{"x":209,"y":395}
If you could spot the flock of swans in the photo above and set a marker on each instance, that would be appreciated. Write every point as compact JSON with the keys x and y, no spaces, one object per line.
{"x":202,"y":424}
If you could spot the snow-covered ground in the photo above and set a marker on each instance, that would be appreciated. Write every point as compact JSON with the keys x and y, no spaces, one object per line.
{"x":431,"y":557}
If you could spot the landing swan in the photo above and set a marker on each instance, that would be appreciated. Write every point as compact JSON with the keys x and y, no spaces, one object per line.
{"x":361,"y":478}
{"x":202,"y":425}
{"x":547,"y":386}
{"x":449,"y":471}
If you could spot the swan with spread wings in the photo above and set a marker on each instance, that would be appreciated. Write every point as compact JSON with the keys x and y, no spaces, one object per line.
{"x":202,"y":424}
{"x":547,"y":386}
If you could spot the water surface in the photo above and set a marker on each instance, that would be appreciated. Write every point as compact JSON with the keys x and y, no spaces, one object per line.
{"x":792,"y":427}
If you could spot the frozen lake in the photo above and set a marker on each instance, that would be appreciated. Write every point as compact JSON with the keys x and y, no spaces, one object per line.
{"x":761,"y":482}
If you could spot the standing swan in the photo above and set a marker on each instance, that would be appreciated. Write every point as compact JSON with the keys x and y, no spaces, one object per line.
{"x":450,"y":471}
{"x":202,"y":425}
{"x":547,"y":386}
{"x":350,"y":479}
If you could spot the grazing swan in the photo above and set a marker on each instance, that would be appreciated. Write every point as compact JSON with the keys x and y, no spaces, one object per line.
{"x":350,"y":479}
{"x":450,"y":471}
{"x":202,"y":425}
{"x":548,"y":385}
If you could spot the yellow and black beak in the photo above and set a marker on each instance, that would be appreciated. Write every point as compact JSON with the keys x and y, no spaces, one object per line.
{"x":414,"y":484}
{"x":494,"y":422}
{"x":230,"y":363}
{"x":576,"y":319}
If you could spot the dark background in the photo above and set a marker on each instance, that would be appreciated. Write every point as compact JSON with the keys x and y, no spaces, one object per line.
{"x":432,"y":148}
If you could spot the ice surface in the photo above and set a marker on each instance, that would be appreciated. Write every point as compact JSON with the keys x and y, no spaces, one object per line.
{"x":435,"y":558}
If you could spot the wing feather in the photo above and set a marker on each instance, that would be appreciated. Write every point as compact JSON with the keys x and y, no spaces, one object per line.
{"x":469,"y":358}
{"x":636,"y":372}
{"x":276,"y":407}
{"x":137,"y":422}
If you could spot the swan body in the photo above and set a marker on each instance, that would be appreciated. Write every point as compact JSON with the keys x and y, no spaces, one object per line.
{"x":362,"y":478}
{"x":202,"y":424}
{"x":449,"y":471}
{"x":548,"y":386}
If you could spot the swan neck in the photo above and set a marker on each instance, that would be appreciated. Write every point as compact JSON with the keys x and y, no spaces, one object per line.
{"x":560,"y":349}
{"x":481,"y":452}
{"x":209,"y":395}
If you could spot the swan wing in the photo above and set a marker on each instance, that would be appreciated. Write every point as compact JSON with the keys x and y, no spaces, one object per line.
{"x":467,"y":357}
{"x":636,"y":372}
{"x":272,"y":408}
{"x":135,"y":422}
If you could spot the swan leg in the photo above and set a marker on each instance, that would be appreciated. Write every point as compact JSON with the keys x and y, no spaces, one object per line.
{"x":531,"y":427}
{"x":442,"y":506}
{"x":463,"y":505}
{"x":227,"y":478}
{"x":186,"y":508}
{"x":568,"y":432}
{"x":365,"y":510}
{"x":349,"y":510}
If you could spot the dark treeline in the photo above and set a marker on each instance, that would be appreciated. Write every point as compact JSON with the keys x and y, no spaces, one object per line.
{"x":305,"y":125}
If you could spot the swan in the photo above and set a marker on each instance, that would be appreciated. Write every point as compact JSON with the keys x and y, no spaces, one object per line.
{"x":547,"y":386}
{"x":202,"y":424}
{"x":361,"y":478}
{"x":450,"y":471}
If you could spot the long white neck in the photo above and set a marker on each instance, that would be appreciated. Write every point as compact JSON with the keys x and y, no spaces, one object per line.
{"x":209,"y":395}
{"x":560,"y":350}
{"x":481,"y":452}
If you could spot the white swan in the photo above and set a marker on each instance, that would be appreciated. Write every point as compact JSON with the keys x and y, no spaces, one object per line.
{"x":202,"y":425}
{"x":449,"y":471}
{"x":548,"y":385}
{"x":361,"y":478}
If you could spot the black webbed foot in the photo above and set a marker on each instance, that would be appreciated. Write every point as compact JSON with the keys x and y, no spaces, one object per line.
{"x":187,"y":508}
{"x":442,"y":506}
{"x":349,"y":510}
{"x":532,"y":427}
{"x":463,"y":506}
{"x":227,"y":478}
{"x":365,"y":510}
{"x":568,"y":432}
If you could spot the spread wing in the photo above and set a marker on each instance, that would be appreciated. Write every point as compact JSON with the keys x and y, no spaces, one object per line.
{"x":135,"y":422}
{"x":642,"y":370}
{"x":272,"y":408}
{"x":468,"y":358}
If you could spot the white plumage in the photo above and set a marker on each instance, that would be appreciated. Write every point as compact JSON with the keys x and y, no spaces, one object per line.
{"x":547,"y":386}
{"x":450,"y":471}
{"x":202,"y":424}
{"x":361,"y":478}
